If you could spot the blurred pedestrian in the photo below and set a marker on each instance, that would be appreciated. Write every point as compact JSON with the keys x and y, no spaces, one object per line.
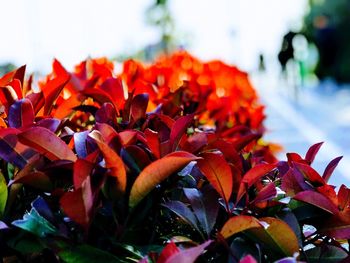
{"x":262,"y":66}
{"x":287,"y":51}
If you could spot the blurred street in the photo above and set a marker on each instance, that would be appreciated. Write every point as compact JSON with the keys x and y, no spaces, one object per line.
{"x":299,"y":119}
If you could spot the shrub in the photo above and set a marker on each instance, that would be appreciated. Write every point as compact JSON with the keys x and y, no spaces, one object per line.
{"x":161,"y":163}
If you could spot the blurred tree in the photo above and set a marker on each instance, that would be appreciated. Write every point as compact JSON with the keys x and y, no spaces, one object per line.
{"x":158,"y":16}
{"x":328,"y":26}
{"x":6,"y":67}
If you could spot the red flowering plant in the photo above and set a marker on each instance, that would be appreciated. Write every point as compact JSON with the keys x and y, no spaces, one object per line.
{"x":160,"y":163}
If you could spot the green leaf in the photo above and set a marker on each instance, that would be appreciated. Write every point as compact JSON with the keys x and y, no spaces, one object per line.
{"x":36,"y":224}
{"x":326,"y":253}
{"x":86,"y":254}
{"x":3,"y":194}
{"x":277,"y":236}
{"x":25,"y":243}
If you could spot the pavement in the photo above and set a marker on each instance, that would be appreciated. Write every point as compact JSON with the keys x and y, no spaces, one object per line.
{"x":300,"y":116}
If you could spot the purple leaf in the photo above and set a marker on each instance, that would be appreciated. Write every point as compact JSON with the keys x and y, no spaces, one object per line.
{"x":21,"y":114}
{"x":10,"y":149}
{"x":318,"y":200}
{"x":330,"y":168}
{"x":266,"y":193}
{"x":196,"y":199}
{"x":179,"y":129}
{"x":184,"y":212}
{"x":293,"y":182}
{"x":139,"y":105}
{"x":287,"y":260}
{"x":188,"y":255}
{"x":3,"y":226}
{"x":311,"y":153}
{"x":51,"y":124}
{"x":80,"y":143}
{"x":107,"y":114}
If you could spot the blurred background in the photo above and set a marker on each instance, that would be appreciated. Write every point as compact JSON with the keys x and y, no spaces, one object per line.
{"x":296,"y":51}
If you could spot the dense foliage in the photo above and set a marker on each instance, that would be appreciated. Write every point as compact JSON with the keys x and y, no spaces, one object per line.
{"x":160,"y":163}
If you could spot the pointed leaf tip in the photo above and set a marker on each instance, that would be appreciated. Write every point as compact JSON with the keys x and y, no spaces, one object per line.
{"x":157,"y":172}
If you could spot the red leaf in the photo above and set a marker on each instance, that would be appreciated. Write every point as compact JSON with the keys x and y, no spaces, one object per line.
{"x":328,"y":191}
{"x":229,"y":152}
{"x":310,"y":174}
{"x":128,"y":137}
{"x":318,"y":200}
{"x":293,"y":182}
{"x":336,"y":231}
{"x":37,"y":180}
{"x":311,"y":153}
{"x":218,"y":172}
{"x":243,"y":141}
{"x":52,"y":90}
{"x":19,"y":74}
{"x":153,"y":142}
{"x":139,"y":106}
{"x":195,"y":142}
{"x":330,"y":168}
{"x":38,"y":101}
{"x":81,"y":170}
{"x":188,"y":255}
{"x":343,"y":197}
{"x":169,"y":250}
{"x":179,"y":129}
{"x":110,"y":136}
{"x":157,"y":172}
{"x":113,"y":162}
{"x":17,"y":86}
{"x":74,"y":83}
{"x":68,"y":105}
{"x":21,"y":114}
{"x":237,"y":224}
{"x":266,"y":193}
{"x":114,"y":87}
{"x":7,"y":96}
{"x":294,"y":157}
{"x":99,"y":95}
{"x":78,"y":205}
{"x":253,"y":176}
{"x":47,"y":143}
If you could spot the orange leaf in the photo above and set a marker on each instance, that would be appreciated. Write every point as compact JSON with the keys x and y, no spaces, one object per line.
{"x":277,"y":236}
{"x":47,"y":143}
{"x":238,"y":224}
{"x":218,"y":172}
{"x":113,"y":162}
{"x":157,"y":172}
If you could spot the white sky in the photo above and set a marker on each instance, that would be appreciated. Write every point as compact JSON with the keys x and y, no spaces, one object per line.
{"x":35,"y":31}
